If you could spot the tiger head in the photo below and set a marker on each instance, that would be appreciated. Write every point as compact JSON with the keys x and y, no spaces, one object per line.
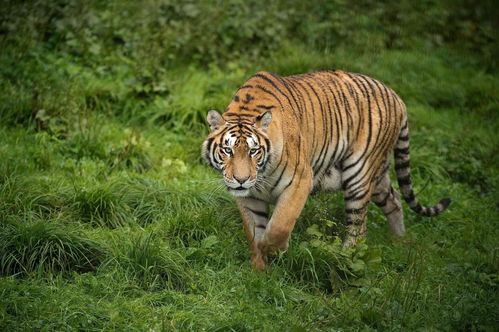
{"x":238,"y":148}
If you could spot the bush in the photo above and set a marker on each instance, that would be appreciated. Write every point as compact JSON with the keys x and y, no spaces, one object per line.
{"x":157,"y":34}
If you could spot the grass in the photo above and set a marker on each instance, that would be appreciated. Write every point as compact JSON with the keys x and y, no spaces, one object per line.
{"x":110,"y":220}
{"x":42,"y":248}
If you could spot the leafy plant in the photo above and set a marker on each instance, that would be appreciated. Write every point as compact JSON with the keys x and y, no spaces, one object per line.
{"x":322,"y":260}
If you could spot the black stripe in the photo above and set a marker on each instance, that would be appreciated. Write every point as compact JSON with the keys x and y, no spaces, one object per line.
{"x":391,"y":211}
{"x":383,"y":202}
{"x":307,"y":95}
{"x":265,"y":107}
{"x":296,"y":167}
{"x":381,"y":140}
{"x":404,"y":181}
{"x":293,"y":177}
{"x":321,"y":156}
{"x":292,"y":93}
{"x":263,"y":214}
{"x":410,"y":198}
{"x":276,"y":168}
{"x":356,"y":197}
{"x":346,"y":182}
{"x":401,"y":151}
{"x":242,"y":115}
{"x":209,"y":141}
{"x":270,"y":93}
{"x":387,"y":134}
{"x":299,"y":96}
{"x":267,"y":142}
{"x":266,"y":149}
{"x":355,"y":96}
{"x":388,"y":93}
{"x":355,"y":211}
{"x":332,"y":125}
{"x":280,"y":176}
{"x":379,"y":87}
{"x":274,"y":85}
{"x":369,"y":116}
{"x":336,"y":126}
{"x":402,"y":164}
{"x":248,"y":99}
{"x":383,"y":172}
{"x":349,"y":121}
{"x":404,"y":138}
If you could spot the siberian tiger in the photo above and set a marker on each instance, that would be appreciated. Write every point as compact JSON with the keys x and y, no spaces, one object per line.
{"x":282,"y":138}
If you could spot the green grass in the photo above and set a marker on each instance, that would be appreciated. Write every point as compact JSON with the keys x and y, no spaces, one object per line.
{"x":110,"y":220}
{"x":43,"y":247}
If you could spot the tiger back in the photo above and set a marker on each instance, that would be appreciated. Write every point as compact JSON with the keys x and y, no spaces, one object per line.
{"x":282,"y":138}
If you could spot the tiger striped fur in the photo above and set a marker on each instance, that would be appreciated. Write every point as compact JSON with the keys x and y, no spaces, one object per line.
{"x":282,"y":138}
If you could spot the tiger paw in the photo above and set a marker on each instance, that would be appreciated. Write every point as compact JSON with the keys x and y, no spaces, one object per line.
{"x":258,"y":263}
{"x":271,"y":249}
{"x":349,"y":242}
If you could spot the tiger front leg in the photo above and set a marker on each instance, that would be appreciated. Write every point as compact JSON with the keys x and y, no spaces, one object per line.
{"x":255,"y":219}
{"x":287,"y":210}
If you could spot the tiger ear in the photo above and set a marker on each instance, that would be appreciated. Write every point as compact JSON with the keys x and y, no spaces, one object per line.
{"x":215,"y":120}
{"x":263,"y":120}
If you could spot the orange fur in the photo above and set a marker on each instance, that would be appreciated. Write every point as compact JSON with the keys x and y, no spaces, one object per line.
{"x":281,"y":138}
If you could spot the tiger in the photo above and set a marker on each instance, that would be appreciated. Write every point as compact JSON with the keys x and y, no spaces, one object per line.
{"x":282,"y":138}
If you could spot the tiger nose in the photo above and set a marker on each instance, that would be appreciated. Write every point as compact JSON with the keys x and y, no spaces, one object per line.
{"x":241,"y":180}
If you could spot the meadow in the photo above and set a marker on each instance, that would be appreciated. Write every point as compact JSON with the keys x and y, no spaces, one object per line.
{"x":110,"y":220}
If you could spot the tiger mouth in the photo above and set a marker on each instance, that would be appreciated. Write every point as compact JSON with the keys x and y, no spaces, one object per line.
{"x":239,"y":191}
{"x":240,"y":188}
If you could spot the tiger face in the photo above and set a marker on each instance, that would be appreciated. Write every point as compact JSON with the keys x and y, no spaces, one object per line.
{"x":239,"y":149}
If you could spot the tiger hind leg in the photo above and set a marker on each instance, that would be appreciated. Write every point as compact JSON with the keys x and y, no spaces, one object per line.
{"x":388,"y":199}
{"x":356,"y":203}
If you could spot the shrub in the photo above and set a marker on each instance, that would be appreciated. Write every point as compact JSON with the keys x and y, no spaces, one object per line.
{"x":161,"y":33}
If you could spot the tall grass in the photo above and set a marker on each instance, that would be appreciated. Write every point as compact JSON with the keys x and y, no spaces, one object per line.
{"x":153,"y":265}
{"x":45,"y":248}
